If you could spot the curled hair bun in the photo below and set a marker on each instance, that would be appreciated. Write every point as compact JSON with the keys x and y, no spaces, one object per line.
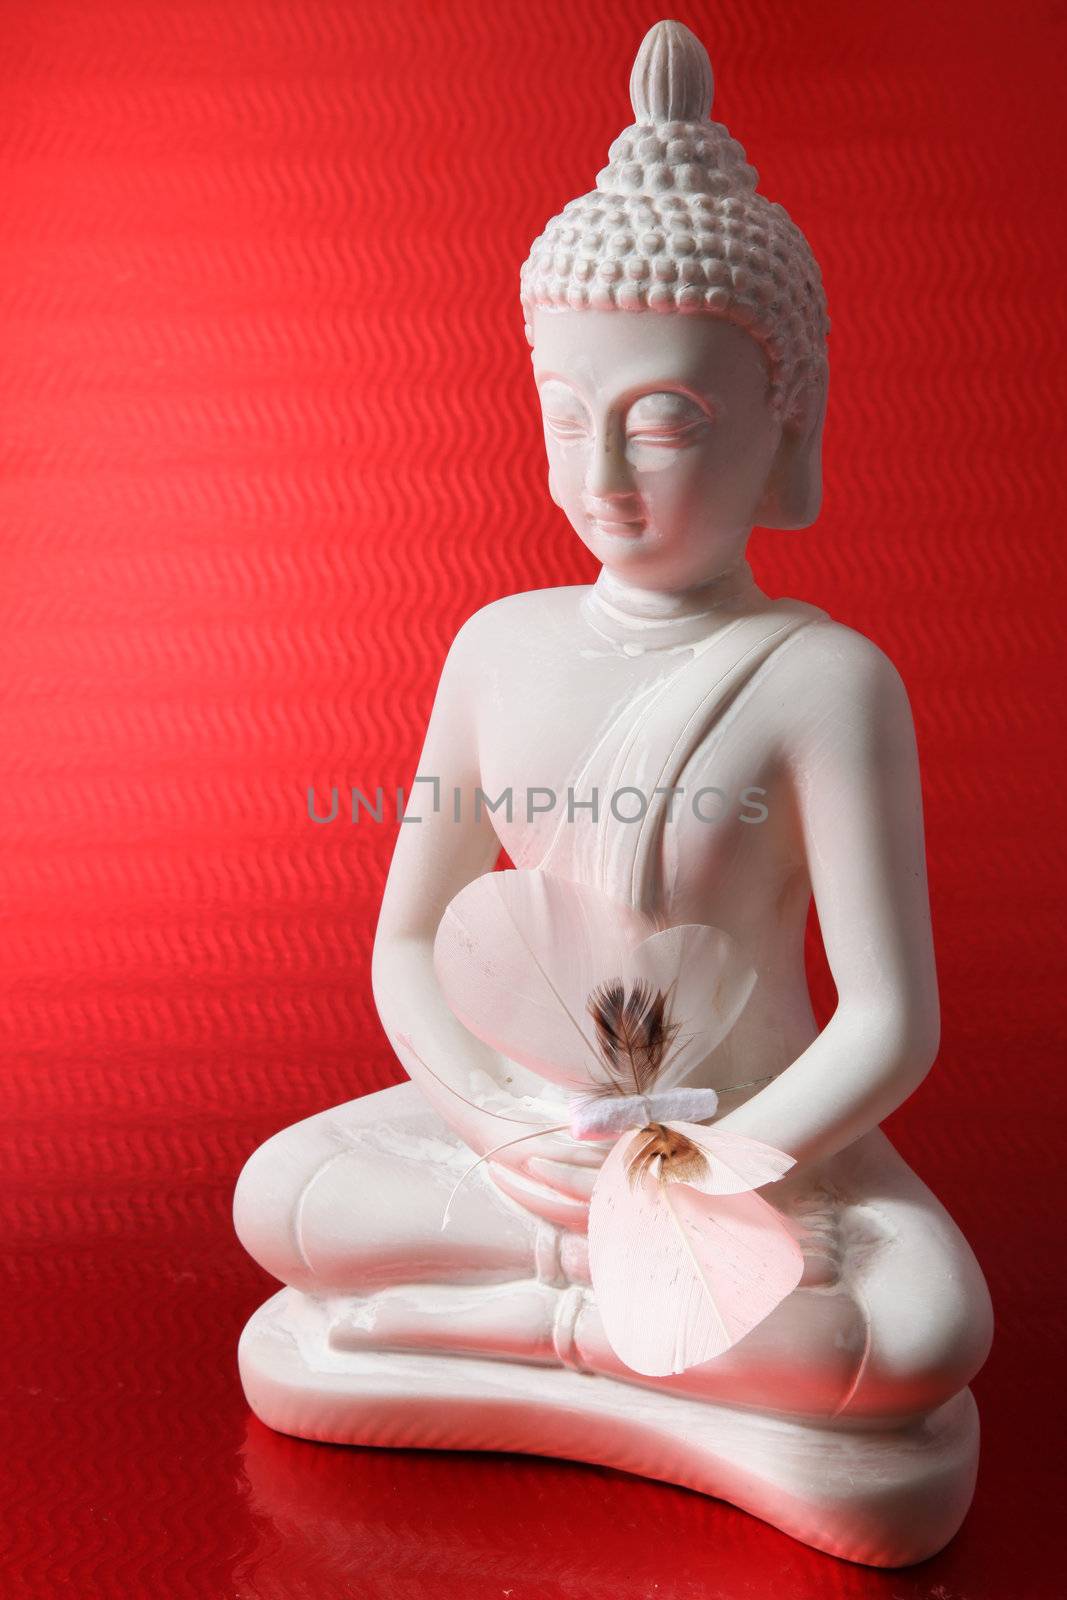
{"x":675,"y":223}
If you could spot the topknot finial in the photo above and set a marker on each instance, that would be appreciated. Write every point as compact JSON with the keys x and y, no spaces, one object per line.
{"x":676,"y":223}
{"x":671,"y":79}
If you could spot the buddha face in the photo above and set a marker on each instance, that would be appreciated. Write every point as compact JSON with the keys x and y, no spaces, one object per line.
{"x":661,"y":440}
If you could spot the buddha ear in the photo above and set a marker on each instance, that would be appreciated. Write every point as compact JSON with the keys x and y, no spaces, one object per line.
{"x":554,"y":493}
{"x":793,"y":492}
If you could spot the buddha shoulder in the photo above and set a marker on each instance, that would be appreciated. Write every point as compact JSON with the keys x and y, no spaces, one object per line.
{"x":516,"y":622}
{"x":836,"y":677}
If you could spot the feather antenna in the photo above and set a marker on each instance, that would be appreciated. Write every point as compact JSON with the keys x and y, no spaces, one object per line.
{"x":486,"y":1111}
{"x":507,"y":1145}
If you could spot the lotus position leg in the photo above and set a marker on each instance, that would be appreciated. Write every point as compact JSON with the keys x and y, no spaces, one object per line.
{"x":347,"y":1207}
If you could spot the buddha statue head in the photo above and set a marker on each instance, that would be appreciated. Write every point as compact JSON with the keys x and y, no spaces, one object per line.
{"x":678,"y":329}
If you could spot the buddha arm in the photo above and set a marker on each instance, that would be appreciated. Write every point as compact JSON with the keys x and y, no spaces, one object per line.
{"x":851,"y":752}
{"x":434,"y":858}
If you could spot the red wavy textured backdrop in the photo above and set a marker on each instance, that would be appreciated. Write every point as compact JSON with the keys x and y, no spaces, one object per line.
{"x":268,"y":437}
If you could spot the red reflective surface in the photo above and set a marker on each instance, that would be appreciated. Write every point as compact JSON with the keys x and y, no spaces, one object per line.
{"x":135,"y":1469}
{"x":268,"y":437}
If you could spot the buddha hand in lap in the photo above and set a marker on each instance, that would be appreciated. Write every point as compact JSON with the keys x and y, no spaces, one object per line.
{"x":744,"y":754}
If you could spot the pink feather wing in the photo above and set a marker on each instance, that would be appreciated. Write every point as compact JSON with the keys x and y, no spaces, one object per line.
{"x":517,"y":954}
{"x":735,"y":1162}
{"x":710,"y":980}
{"x":680,"y":1276}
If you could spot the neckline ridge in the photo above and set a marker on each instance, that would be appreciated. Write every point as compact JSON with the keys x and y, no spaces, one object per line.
{"x":635,"y":620}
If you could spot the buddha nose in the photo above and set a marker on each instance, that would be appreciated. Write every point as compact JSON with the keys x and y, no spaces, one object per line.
{"x":609,"y":476}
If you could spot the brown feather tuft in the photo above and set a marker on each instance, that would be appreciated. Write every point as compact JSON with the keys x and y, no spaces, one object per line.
{"x":681,"y":1162}
{"x":634,"y":1032}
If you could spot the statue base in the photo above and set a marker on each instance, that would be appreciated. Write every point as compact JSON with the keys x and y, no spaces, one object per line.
{"x":882,"y":1496}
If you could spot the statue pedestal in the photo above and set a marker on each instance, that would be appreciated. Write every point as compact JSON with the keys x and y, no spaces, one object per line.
{"x":882,"y":1496}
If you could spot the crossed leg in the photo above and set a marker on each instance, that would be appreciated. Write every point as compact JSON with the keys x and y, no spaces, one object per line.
{"x":843,"y":1418}
{"x":891,"y":1318}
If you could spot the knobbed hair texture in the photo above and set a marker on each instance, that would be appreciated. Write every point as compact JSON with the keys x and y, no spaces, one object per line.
{"x":675,"y":224}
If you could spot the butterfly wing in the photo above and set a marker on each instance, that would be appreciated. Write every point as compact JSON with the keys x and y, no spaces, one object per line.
{"x":735,"y":1162}
{"x":517,"y":954}
{"x":679,"y":1275}
{"x":711,"y":980}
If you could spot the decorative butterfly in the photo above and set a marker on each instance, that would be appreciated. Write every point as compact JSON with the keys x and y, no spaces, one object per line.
{"x":685,"y":1258}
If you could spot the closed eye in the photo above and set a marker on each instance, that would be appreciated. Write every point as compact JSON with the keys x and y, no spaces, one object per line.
{"x":666,"y":436}
{"x":566,"y":427}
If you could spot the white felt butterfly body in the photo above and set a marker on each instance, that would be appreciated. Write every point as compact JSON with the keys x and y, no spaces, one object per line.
{"x":685,"y":1258}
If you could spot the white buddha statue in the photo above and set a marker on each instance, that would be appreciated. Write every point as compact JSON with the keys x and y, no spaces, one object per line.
{"x":678,"y":332}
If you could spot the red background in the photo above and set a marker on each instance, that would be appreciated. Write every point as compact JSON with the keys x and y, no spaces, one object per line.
{"x":268,"y":437}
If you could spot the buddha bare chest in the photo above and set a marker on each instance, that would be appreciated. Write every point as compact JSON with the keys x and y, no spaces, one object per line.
{"x":561,"y":734}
